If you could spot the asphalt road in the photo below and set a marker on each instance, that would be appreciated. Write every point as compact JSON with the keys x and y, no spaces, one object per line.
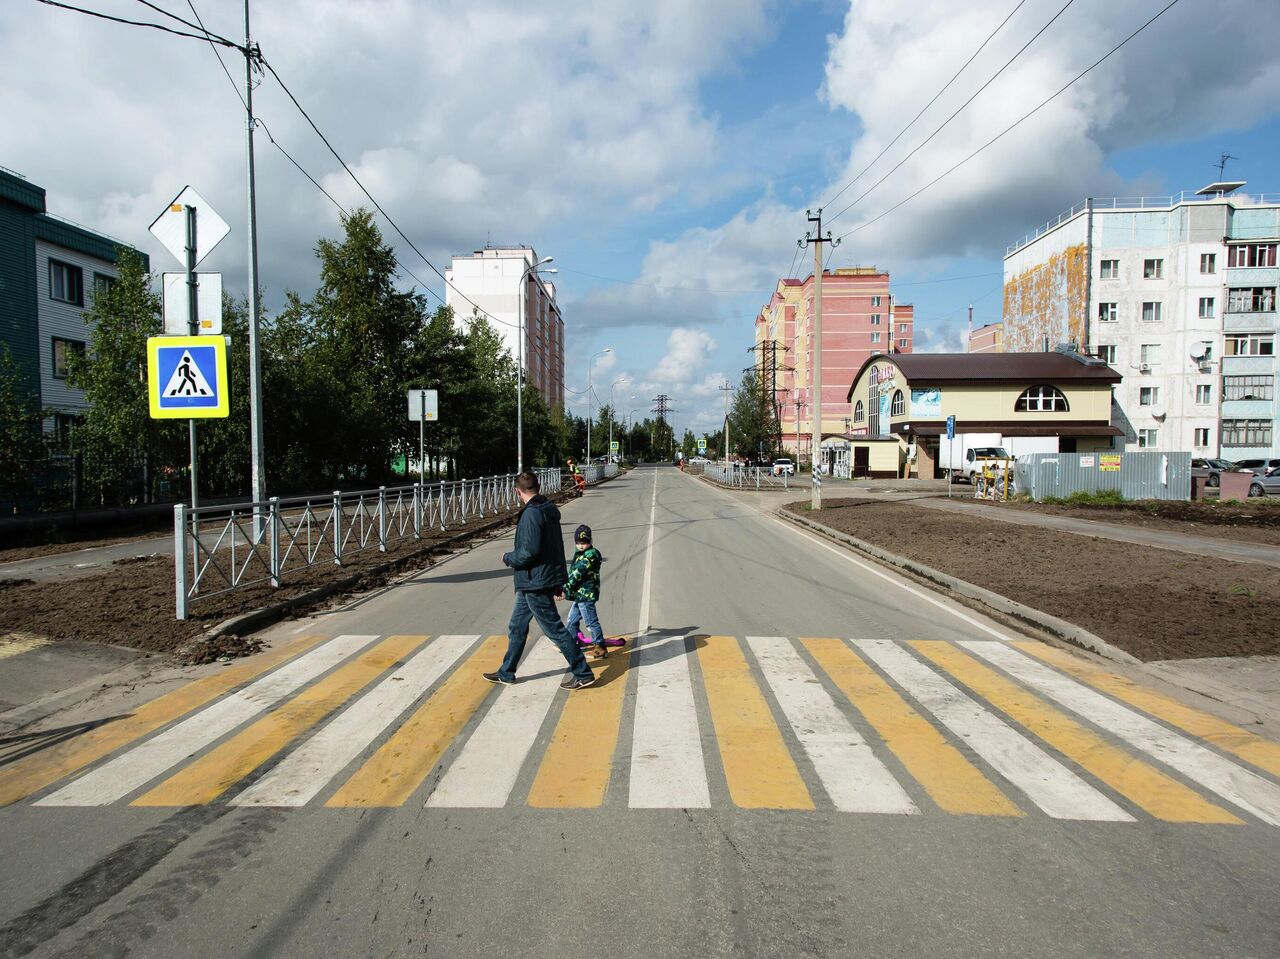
{"x":802,"y":755}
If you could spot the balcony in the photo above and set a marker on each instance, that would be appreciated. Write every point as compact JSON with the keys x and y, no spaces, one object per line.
{"x":1249,"y":321}
{"x":1252,"y":275}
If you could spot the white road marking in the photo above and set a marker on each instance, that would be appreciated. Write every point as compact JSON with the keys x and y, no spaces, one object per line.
{"x":667,"y":767}
{"x":1050,"y":785}
{"x":854,"y":778}
{"x":148,"y":760}
{"x":297,"y":780}
{"x":645,"y":623}
{"x":483,"y":774}
{"x":1198,"y":763}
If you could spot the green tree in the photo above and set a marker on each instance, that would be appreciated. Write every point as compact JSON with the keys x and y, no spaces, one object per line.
{"x":751,"y":418}
{"x":21,"y":444}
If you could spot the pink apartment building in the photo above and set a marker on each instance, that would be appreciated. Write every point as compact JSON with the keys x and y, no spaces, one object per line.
{"x":987,"y":339}
{"x":860,"y":318}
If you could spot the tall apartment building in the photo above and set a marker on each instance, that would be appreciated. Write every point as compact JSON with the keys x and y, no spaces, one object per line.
{"x":49,"y":271}
{"x":491,"y":279}
{"x":1178,"y":294}
{"x":987,"y":339}
{"x":860,"y":319}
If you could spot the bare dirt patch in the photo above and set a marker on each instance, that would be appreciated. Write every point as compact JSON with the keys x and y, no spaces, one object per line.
{"x":1149,"y":602}
{"x":1252,"y":522}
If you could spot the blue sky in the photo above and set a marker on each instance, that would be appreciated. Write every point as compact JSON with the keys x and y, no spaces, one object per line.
{"x":672,"y":146}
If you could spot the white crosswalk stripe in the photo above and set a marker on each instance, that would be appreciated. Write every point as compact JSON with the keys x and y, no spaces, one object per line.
{"x":306,"y":771}
{"x":667,"y":766}
{"x":854,"y":778}
{"x":145,"y":762}
{"x":1048,"y":783}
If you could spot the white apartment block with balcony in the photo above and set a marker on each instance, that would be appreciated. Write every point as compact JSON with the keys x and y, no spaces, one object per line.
{"x":490,"y":279}
{"x":1176,"y":293}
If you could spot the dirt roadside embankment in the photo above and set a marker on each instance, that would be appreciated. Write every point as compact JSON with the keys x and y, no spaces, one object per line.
{"x":1153,"y":603}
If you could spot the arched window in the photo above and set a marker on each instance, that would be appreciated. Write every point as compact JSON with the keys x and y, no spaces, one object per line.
{"x":1042,"y":399}
{"x":899,"y":405}
{"x":859,"y":412}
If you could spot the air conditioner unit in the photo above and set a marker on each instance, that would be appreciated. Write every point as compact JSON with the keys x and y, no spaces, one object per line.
{"x":1144,"y":368}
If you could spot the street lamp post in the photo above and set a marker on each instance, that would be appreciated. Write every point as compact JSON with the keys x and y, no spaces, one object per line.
{"x":630,"y":414}
{"x":529,"y":270}
{"x":589,"y":361}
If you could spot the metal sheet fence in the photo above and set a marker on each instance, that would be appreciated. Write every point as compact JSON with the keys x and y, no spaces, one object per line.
{"x":218,"y":549}
{"x":746,"y":477}
{"x":1137,"y":475}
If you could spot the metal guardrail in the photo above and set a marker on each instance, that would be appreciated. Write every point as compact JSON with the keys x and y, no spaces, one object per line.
{"x":746,"y":477}
{"x":218,"y":549}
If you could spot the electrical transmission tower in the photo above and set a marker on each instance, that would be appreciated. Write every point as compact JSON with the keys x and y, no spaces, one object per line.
{"x":767,"y":367}
{"x":662,"y":406}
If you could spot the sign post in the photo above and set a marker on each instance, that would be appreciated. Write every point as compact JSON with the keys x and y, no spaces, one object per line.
{"x":424,"y":407}
{"x":951,"y":450}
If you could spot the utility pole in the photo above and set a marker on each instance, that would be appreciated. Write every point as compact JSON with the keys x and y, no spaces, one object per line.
{"x":257,"y":475}
{"x":726,"y":390}
{"x":815,"y":239}
{"x":662,"y":406}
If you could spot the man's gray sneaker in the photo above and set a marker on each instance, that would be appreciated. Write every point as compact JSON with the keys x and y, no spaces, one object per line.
{"x":573,"y":682}
{"x":498,"y":678}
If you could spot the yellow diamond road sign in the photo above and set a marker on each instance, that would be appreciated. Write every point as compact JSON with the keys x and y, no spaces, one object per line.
{"x":187,"y":377}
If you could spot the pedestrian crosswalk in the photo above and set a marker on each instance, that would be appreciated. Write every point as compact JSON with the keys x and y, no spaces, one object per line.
{"x":856,"y":726}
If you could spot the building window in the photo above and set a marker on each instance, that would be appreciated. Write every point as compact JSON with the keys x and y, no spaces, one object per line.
{"x":859,"y":412}
{"x":1252,"y":254}
{"x":1152,"y":269}
{"x":102,"y":283}
{"x":1108,"y":312}
{"x":898,"y":405}
{"x":1150,"y":354}
{"x":1246,"y":432}
{"x":875,"y":301}
{"x":1204,"y":393}
{"x":1208,"y":263}
{"x":1042,"y":399}
{"x":1110,"y":269}
{"x":1251,"y":299}
{"x":1202,"y":437}
{"x":1249,"y":344}
{"x":1206,"y":308}
{"x":62,"y":349}
{"x":1107,"y":354}
{"x":1147,"y":438}
{"x":1148,"y":395}
{"x":902,"y":327}
{"x":875,"y":337}
{"x":1257,"y":387}
{"x":66,"y":283}
{"x":1151,"y":311}
{"x":875,"y":319}
{"x":902,"y":344}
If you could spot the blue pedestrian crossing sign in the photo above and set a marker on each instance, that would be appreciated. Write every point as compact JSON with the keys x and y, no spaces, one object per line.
{"x":187,"y":377}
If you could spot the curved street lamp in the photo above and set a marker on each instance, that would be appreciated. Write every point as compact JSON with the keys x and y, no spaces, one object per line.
{"x":589,"y":362}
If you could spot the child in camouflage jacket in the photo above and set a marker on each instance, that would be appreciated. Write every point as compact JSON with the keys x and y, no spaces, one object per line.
{"x":583,"y":590}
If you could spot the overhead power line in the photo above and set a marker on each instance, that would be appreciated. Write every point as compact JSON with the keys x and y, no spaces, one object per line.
{"x":142,"y":23}
{"x":1026,"y":116}
{"x":867,"y":192}
{"x":945,"y":87}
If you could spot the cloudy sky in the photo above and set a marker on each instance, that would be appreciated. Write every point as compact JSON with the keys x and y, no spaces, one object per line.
{"x":663,"y":152}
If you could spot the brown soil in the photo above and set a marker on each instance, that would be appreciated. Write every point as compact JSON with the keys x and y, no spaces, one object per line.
{"x":1150,"y":602}
{"x":1246,"y":522}
{"x":131,"y":603}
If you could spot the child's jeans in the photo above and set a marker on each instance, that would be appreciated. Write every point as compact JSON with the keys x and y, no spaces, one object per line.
{"x":585,"y":612}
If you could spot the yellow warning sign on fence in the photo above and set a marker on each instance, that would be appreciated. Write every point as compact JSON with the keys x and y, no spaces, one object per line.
{"x":1109,"y":464}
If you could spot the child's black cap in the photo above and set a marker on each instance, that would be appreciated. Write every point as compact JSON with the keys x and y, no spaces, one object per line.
{"x":582,"y":534}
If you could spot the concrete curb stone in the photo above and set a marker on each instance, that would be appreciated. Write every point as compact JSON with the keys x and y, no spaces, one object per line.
{"x":1064,"y":630}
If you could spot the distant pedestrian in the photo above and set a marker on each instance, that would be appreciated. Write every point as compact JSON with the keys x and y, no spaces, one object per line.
{"x":538,"y":561}
{"x":582,"y":588}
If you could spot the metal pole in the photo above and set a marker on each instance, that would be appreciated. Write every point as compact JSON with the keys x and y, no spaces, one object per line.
{"x":180,"y":559}
{"x":422,"y":436}
{"x":257,"y":475}
{"x":815,"y":455}
{"x":589,"y":359}
{"x":524,"y":282}
{"x":193,"y":328}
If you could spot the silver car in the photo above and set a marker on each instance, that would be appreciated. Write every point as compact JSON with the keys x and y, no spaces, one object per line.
{"x":1265,"y":485}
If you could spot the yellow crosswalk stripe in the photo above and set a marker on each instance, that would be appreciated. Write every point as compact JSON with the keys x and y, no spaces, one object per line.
{"x":955,"y":784}
{"x":1262,"y":753}
{"x":11,"y":644}
{"x":398,"y":768}
{"x":575,"y":770}
{"x":759,"y":768}
{"x":212,"y":774}
{"x":32,"y":773}
{"x":1159,"y":794}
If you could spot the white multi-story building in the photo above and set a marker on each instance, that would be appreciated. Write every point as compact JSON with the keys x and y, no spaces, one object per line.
{"x":1176,"y":293}
{"x":491,"y":280}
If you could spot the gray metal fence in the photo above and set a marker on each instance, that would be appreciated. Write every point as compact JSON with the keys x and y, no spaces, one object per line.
{"x":1137,"y":475}
{"x":746,"y":477}
{"x":218,"y":549}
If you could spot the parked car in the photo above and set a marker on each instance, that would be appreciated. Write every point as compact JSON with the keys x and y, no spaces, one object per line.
{"x":1265,"y":485}
{"x":783,"y":466}
{"x":1263,"y":467}
{"x":1213,"y":469}
{"x":698,"y":459}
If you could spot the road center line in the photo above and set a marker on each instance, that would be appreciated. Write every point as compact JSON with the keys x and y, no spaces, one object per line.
{"x":644,"y":624}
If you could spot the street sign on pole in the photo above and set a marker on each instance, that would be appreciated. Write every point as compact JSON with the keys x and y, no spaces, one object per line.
{"x":423,"y":406}
{"x":613,"y":446}
{"x":208,"y":304}
{"x":951,"y":450}
{"x":951,"y":427}
{"x":170,"y":227}
{"x":187,"y":377}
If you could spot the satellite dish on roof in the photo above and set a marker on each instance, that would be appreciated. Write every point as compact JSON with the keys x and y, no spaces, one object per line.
{"x":1199,"y":351}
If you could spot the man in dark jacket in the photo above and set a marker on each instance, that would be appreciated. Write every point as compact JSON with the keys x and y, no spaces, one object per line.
{"x":538,"y":561}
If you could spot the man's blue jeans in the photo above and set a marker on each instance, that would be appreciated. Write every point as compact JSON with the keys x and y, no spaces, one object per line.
{"x":542,"y":606}
{"x":585,"y":611}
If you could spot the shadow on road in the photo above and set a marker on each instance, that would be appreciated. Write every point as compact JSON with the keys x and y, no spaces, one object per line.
{"x":13,"y":748}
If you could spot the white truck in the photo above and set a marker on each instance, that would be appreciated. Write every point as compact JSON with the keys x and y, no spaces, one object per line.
{"x":963,"y":458}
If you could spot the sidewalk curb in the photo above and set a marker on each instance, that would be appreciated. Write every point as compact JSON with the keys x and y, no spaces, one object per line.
{"x":1060,"y":628}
